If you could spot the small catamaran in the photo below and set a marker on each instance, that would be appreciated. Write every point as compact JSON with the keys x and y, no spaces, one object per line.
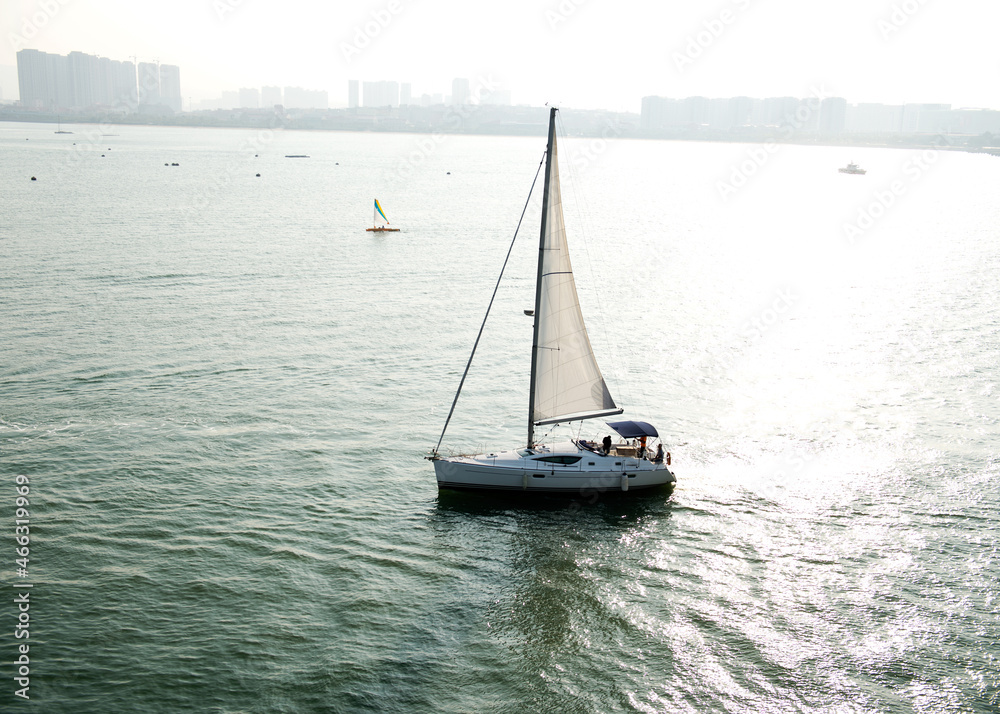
{"x":380,"y":227}
{"x":566,"y":385}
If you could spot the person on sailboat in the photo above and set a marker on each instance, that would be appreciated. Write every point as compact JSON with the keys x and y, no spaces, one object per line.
{"x":607,"y":444}
{"x":642,"y":446}
{"x":658,"y":458}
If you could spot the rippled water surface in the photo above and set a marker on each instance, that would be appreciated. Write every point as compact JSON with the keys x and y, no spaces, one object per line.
{"x":221,"y":389}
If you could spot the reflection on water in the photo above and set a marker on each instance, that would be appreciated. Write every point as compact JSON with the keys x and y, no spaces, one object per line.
{"x":224,"y":419}
{"x":566,"y":578}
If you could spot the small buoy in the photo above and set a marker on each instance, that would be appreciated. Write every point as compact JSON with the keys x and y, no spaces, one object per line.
{"x":102,"y":156}
{"x":166,"y":164}
{"x":258,"y":175}
{"x":337,"y":163}
{"x":449,"y":173}
{"x":33,"y":178}
{"x":256,"y":155}
{"x":175,"y":164}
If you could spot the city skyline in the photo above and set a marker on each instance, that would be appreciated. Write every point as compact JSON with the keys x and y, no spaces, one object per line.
{"x":82,"y":82}
{"x":569,"y":52}
{"x":79,"y":81}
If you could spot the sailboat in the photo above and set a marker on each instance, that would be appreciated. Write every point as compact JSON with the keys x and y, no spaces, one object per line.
{"x":566,"y":385}
{"x":378,"y":228}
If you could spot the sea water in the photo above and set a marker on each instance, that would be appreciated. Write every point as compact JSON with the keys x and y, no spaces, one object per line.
{"x":219,"y":390}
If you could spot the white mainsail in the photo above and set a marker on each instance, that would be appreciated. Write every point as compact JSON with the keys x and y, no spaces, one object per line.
{"x":567,"y":380}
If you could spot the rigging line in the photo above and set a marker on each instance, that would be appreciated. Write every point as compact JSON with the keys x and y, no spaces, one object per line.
{"x":490,"y":306}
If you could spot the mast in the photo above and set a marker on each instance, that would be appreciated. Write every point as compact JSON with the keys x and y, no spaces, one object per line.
{"x":538,"y":277}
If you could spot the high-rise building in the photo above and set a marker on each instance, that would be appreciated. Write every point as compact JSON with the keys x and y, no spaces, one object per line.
{"x":380,"y":94}
{"x":123,"y":87}
{"x":298,"y":98}
{"x":460,"y":92}
{"x":780,"y":111}
{"x":103,"y":92}
{"x":270,"y":97}
{"x":832,"y":115}
{"x":249,"y":98}
{"x":405,"y":92}
{"x":806,"y":117}
{"x":149,"y":84}
{"x":353,"y":94}
{"x":76,"y":81}
{"x":874,"y":119}
{"x":912,"y":115}
{"x":697,"y":110}
{"x":975,"y":121}
{"x":170,"y":86}
{"x":83,"y":72}
{"x":33,"y":79}
{"x":720,"y":115}
{"x":745,"y":111}
{"x":659,"y":113}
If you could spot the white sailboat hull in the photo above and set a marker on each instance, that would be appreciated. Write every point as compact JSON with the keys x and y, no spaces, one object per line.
{"x":527,"y":471}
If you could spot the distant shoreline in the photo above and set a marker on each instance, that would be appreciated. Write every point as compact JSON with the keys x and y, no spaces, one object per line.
{"x":614,"y":125}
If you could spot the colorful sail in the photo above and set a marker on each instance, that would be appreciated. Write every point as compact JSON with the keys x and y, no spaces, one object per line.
{"x":380,"y":212}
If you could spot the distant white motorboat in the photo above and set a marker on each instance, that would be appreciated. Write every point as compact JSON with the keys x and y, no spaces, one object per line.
{"x":852,"y":169}
{"x":565,"y":385}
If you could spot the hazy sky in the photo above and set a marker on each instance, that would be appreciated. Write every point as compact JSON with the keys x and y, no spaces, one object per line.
{"x":576,"y":53}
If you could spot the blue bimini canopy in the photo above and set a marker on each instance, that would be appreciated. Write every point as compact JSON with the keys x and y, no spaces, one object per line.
{"x":632,"y":429}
